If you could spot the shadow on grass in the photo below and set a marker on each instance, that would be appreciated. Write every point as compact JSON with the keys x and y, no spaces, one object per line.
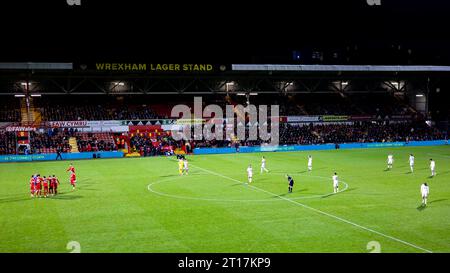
{"x":61,"y":196}
{"x":438,"y":200}
{"x":421,"y":207}
{"x":281,"y":195}
{"x":169,"y":175}
{"x":350,"y":189}
{"x":15,"y":199}
{"x":66,"y":197}
{"x":288,"y":193}
{"x":328,"y":195}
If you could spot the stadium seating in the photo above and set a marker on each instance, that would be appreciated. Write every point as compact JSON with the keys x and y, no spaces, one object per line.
{"x":10,"y":110}
{"x":7,"y":143}
{"x":93,"y":142}
{"x":49,"y":142}
{"x":81,"y":108}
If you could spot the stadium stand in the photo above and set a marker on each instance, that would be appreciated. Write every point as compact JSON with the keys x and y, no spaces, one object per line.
{"x":304,"y":104}
{"x":148,"y":146}
{"x":60,"y":109}
{"x":50,"y":141}
{"x":10,"y":110}
{"x":358,"y":132}
{"x":7,"y":143}
{"x":94,"y":142}
{"x":381,"y":106}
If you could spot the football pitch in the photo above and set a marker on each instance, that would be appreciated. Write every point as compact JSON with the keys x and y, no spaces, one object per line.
{"x":143,"y":205}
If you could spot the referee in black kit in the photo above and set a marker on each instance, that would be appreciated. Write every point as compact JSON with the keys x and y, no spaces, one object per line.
{"x":291,"y":183}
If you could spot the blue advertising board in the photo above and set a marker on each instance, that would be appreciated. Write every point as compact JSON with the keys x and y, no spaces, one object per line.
{"x":65,"y":156}
{"x":330,"y":146}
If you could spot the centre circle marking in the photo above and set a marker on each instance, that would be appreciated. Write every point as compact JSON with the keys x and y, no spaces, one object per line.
{"x":149,"y":187}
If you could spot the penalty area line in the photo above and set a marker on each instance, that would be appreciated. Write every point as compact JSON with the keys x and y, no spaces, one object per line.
{"x":320,"y":211}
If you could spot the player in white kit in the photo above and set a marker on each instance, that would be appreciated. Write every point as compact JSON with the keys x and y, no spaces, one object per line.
{"x":263,"y":165}
{"x":309,"y":163}
{"x":249,"y":173}
{"x":390,"y":161}
{"x":335,"y":183}
{"x":411,"y":162}
{"x":186,"y":166}
{"x":424,"y":190}
{"x":432,"y":167}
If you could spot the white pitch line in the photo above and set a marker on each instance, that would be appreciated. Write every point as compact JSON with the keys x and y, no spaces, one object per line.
{"x":319,"y":211}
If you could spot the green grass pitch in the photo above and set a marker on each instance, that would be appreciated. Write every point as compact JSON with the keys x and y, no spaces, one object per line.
{"x":143,"y":205}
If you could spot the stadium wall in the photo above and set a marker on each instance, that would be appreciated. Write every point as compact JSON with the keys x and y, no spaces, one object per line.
{"x":291,"y":148}
{"x":65,"y":156}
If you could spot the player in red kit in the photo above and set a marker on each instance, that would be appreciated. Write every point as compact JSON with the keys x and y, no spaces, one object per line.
{"x":71,"y":169}
{"x":46,"y":186}
{"x":73,"y":180}
{"x":38,"y":185}
{"x":52,"y":185}
{"x":32,"y":185}
{"x":55,"y":184}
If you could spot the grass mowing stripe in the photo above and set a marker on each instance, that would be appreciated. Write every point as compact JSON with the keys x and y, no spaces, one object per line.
{"x":439,"y":155}
{"x":319,"y":211}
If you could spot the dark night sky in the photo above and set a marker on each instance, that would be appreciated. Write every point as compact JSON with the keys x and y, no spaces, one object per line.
{"x":213,"y":31}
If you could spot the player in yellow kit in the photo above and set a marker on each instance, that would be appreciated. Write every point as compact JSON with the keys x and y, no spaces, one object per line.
{"x":180,"y":166}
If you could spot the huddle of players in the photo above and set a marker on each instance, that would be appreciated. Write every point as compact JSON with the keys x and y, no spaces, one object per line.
{"x":45,"y":186}
{"x":424,"y":188}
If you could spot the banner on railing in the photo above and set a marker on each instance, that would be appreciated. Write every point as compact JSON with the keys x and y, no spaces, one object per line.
{"x":333,"y":118}
{"x":67,"y":124}
{"x":148,"y":122}
{"x":302,"y":118}
{"x":20,"y":128}
{"x":362,"y":118}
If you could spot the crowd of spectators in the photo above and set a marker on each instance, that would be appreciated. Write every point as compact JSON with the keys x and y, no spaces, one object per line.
{"x":9,"y":110}
{"x":96,"y":112}
{"x":148,"y":146}
{"x":94,"y":142}
{"x":101,"y":108}
{"x":7,"y":143}
{"x":289,"y":134}
{"x":10,"y":115}
{"x":345,"y":132}
{"x":54,"y":140}
{"x":358,"y":132}
{"x":50,"y":141}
